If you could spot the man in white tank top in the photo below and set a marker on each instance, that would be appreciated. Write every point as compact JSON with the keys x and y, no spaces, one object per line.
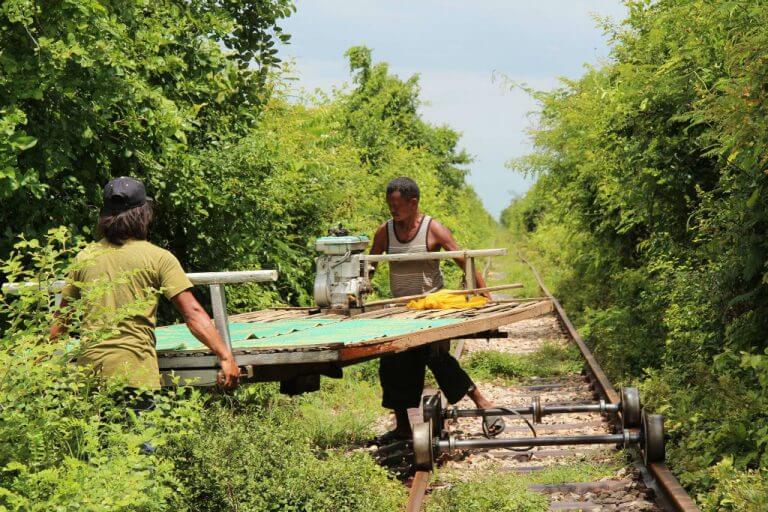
{"x":402,"y":374}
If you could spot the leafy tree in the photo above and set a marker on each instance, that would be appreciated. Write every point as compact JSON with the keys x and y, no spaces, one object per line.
{"x":95,"y":89}
{"x":382,"y":103}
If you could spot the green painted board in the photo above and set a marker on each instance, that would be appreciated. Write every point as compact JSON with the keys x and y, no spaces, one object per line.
{"x":302,"y":332}
{"x":178,"y":337}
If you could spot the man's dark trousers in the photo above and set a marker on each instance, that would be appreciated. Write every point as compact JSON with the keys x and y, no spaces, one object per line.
{"x":402,"y":376}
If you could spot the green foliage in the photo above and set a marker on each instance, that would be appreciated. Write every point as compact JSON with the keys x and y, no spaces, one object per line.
{"x":236,"y":463}
{"x":510,"y":268}
{"x":383,"y":103}
{"x":364,"y":372}
{"x":650,"y":211}
{"x":90,"y":90}
{"x":68,"y":440}
{"x":550,"y":360}
{"x":744,"y":491}
{"x":341,"y":413}
{"x":496,"y":492}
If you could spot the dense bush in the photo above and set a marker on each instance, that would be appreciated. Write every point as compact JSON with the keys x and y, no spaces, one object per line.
{"x":237,"y":462}
{"x":649,"y":215}
{"x":96,"y":89}
{"x":67,"y":440}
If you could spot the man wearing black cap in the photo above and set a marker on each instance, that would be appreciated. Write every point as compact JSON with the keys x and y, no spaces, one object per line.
{"x":137,"y":272}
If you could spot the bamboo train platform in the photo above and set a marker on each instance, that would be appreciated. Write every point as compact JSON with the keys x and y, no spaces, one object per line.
{"x":285,"y":344}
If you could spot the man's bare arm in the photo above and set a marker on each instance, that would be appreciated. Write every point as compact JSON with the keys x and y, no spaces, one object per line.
{"x":202,"y":328}
{"x":379,"y":245}
{"x":443,"y":237}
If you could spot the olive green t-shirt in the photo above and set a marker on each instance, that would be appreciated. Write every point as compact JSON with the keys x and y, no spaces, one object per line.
{"x":120,"y":285}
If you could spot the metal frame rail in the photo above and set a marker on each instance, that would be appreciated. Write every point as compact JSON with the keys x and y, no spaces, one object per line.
{"x":468,"y":255}
{"x":666,"y":484}
{"x":214,"y":280}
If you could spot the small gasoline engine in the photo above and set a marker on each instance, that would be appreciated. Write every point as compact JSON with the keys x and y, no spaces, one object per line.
{"x":341,"y":279}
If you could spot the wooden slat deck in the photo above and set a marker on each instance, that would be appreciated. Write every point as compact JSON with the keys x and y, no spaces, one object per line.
{"x":276,"y":362}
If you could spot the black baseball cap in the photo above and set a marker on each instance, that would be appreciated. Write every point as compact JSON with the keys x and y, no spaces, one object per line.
{"x":122,"y":194}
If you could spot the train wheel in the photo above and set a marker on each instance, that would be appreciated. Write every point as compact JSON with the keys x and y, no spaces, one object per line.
{"x":423,"y":456}
{"x":630,"y":408}
{"x":652,"y":432}
{"x":432,"y":412}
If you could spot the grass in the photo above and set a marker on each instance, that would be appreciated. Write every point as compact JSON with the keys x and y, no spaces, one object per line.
{"x":342,"y":412}
{"x":551,"y":360}
{"x":507,"y":492}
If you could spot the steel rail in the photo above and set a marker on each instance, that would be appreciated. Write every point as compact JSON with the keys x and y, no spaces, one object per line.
{"x":419,"y":486}
{"x":672,"y":492}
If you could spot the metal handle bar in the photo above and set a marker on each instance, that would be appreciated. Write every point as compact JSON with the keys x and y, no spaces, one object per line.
{"x":443,"y":255}
{"x":197,"y":278}
{"x":215,"y":281}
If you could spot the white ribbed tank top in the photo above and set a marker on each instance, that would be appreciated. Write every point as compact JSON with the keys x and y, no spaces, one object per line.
{"x":412,"y":277}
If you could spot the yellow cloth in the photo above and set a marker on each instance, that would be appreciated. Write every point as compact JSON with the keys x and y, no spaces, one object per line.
{"x":444,"y":300}
{"x":120,"y":287}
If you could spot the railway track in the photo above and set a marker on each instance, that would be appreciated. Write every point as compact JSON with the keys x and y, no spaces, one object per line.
{"x":634,"y":485}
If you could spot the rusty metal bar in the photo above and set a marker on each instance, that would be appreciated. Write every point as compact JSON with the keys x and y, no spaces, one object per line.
{"x":219,"y":307}
{"x":671,"y":488}
{"x":418,"y":490}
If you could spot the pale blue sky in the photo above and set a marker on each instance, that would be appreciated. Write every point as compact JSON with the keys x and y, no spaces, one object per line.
{"x":456,"y":47}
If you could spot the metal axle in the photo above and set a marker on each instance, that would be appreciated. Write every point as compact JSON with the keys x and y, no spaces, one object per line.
{"x":629,"y":407}
{"x":448,"y":445}
{"x":601,"y":407}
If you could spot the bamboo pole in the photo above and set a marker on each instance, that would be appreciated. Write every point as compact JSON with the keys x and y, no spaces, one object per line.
{"x":474,"y":291}
{"x":519,"y":299}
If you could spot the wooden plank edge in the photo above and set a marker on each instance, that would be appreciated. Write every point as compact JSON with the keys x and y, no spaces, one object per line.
{"x":457,"y":330}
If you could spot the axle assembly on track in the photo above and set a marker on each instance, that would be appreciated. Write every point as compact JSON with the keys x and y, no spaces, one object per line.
{"x":637,"y":428}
